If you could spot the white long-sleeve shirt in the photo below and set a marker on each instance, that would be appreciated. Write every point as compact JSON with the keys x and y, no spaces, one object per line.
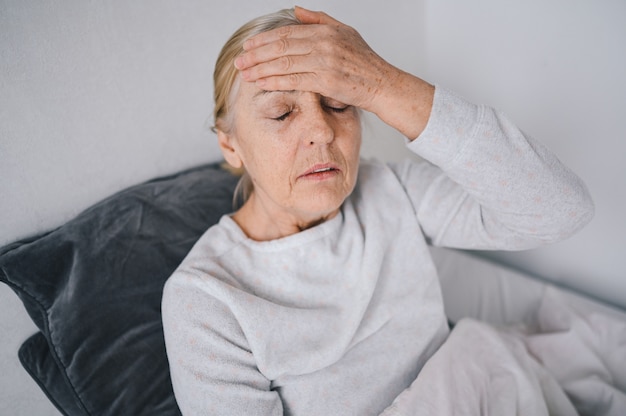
{"x":340,"y":318}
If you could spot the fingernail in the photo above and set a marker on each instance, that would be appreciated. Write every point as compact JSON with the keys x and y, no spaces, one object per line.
{"x":239,"y":62}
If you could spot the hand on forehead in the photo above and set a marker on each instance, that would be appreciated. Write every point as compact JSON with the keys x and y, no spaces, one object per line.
{"x":322,"y":55}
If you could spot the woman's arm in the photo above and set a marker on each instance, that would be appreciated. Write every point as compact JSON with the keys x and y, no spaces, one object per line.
{"x":489,"y":185}
{"x":212,"y":370}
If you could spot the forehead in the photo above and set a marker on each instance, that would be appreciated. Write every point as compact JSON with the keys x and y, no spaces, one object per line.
{"x":249,"y":92}
{"x":261,"y":95}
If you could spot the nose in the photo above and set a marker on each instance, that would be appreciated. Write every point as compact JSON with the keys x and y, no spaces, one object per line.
{"x":320,"y":129}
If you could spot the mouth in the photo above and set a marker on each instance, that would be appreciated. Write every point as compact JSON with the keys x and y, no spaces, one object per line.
{"x":320,"y":172}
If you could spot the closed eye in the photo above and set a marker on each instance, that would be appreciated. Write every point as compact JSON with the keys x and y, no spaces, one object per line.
{"x":334,"y":105}
{"x":337,"y":109}
{"x":282,"y":117}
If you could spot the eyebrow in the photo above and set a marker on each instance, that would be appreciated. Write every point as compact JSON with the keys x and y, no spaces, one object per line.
{"x":263,"y":93}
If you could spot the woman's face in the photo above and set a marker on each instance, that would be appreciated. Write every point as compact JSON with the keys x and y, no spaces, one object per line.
{"x":300,"y":149}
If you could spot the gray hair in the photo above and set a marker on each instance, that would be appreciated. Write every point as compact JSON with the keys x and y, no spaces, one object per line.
{"x":226,"y":83}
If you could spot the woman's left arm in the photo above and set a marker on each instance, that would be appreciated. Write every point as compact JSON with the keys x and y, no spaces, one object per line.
{"x":489,"y":185}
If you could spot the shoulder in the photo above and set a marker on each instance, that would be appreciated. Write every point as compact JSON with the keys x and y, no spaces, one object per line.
{"x":203,"y":270}
{"x":216,"y":242}
{"x":373,"y":172}
{"x":392,"y":178}
{"x":380,"y":189}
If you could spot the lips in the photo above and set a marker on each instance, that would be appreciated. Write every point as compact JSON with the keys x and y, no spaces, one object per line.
{"x":320,"y":171}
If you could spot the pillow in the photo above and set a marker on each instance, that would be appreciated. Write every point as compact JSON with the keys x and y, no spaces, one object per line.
{"x":93,"y":288}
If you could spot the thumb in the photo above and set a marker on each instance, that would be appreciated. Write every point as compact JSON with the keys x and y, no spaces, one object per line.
{"x":310,"y":17}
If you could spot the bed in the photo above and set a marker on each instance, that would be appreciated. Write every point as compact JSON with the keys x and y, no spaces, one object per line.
{"x":85,"y":324}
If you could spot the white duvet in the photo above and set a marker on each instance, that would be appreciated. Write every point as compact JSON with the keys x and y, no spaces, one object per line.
{"x":564,"y":361}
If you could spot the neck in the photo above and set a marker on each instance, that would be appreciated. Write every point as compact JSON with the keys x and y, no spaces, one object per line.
{"x":263,"y":222}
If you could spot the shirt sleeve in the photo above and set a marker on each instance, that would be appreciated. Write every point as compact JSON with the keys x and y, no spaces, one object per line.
{"x":486,"y":184}
{"x":212,"y":369}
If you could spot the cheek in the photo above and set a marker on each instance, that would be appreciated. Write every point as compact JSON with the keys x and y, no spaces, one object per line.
{"x":357,"y":136}
{"x":351,"y":145}
{"x":267,"y":159}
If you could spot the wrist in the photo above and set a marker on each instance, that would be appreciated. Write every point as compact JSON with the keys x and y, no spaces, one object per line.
{"x":404,"y":102}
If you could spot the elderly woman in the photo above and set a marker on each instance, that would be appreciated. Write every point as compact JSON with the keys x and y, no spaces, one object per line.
{"x":318,"y":296}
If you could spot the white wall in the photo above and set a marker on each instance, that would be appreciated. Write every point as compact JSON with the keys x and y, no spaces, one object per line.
{"x":558,"y":68}
{"x":96,"y":96}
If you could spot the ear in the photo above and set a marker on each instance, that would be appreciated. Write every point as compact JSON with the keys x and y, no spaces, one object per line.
{"x":226,"y":143}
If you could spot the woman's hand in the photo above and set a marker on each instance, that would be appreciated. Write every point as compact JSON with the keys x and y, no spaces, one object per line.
{"x":327,"y":57}
{"x":322,"y":55}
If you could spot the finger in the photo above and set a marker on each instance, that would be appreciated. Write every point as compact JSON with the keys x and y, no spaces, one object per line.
{"x":284,"y":65}
{"x":302,"y":81}
{"x":284,"y":32}
{"x":271,"y":51}
{"x":310,"y":17}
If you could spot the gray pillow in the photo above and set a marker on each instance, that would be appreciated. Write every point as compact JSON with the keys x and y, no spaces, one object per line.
{"x":93,"y":288}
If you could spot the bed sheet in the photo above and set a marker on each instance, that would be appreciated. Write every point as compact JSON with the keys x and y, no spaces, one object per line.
{"x":541,"y":349}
